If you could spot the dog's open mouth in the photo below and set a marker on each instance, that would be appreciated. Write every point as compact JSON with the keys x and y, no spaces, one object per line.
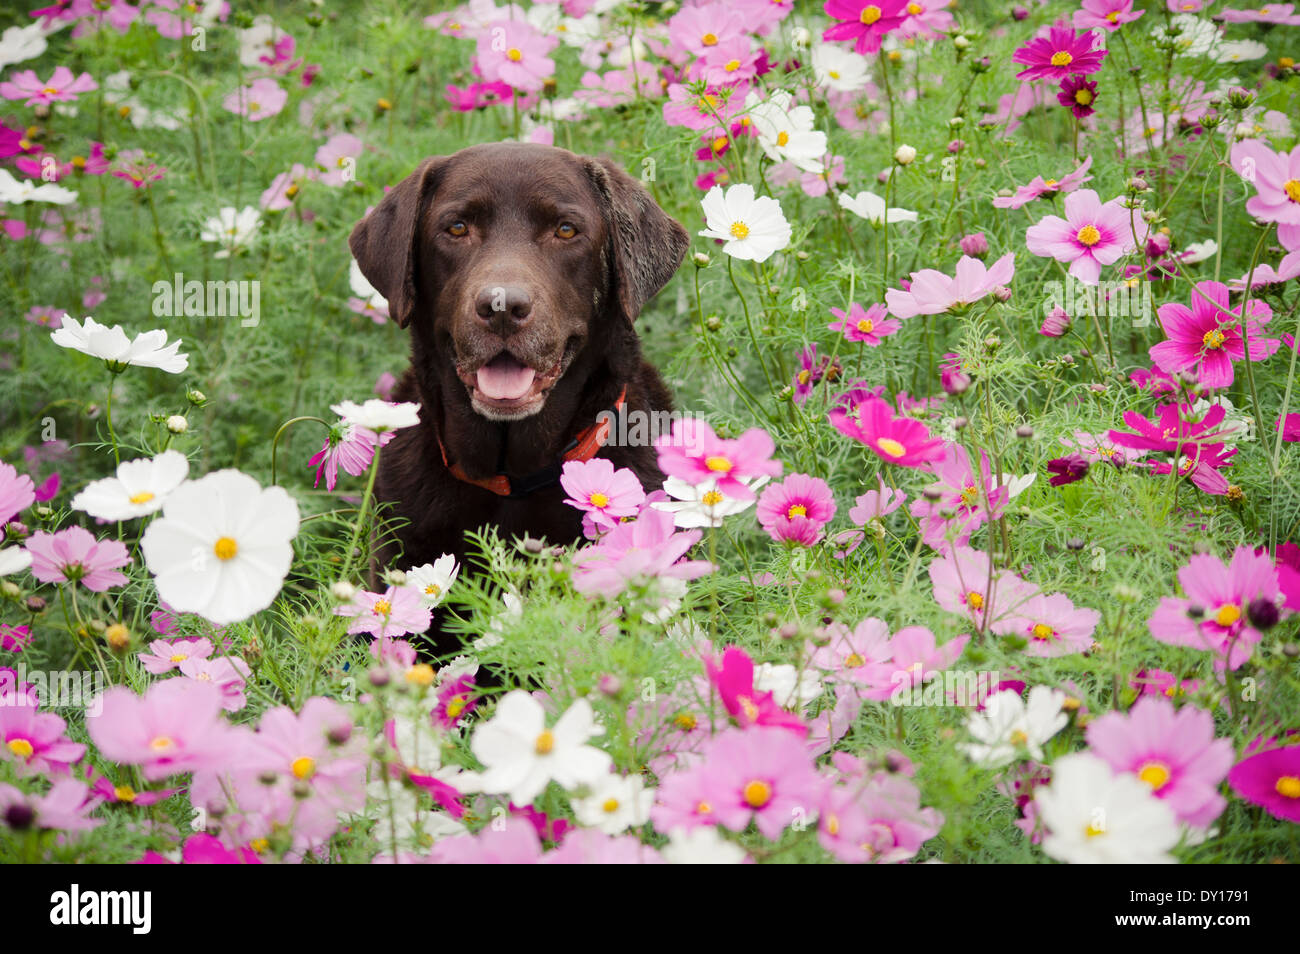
{"x":506,"y":387}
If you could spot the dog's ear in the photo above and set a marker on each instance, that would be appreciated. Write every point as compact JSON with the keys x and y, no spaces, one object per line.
{"x":646,"y":244}
{"x":385,"y":243}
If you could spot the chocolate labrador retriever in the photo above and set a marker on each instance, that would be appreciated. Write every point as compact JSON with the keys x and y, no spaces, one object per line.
{"x":519,"y":269}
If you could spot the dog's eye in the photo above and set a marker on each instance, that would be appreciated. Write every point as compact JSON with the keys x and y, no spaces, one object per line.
{"x":458,"y":229}
{"x":566,"y":231}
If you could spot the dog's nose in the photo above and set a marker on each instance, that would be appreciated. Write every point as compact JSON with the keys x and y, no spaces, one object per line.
{"x":503,"y":306}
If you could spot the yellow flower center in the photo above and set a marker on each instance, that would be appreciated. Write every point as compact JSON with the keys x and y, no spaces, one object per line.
{"x":609,"y":806}
{"x":259,"y":845}
{"x":707,"y":102}
{"x":758,"y":793}
{"x":718,"y":464}
{"x":751,"y":710}
{"x":1213,"y":340}
{"x":1227,"y":615}
{"x":709,"y":39}
{"x":124,"y":793}
{"x":50,"y":90}
{"x":975,"y":600}
{"x":1043,"y":631}
{"x":1292,"y":189}
{"x":891,"y":447}
{"x":854,"y":661}
{"x":21,"y":748}
{"x":739,"y":230}
{"x":783,"y":138}
{"x":383,"y":607}
{"x":832,"y":825}
{"x":866,"y":326}
{"x":303,"y":767}
{"x":162,"y":743}
{"x":179,"y":657}
{"x":1092,"y":831}
{"x":833,"y":74}
{"x":433,"y":589}
{"x":712,"y":498}
{"x":598,"y":500}
{"x":225,"y":548}
{"x":545,"y":742}
{"x":1018,"y":737}
{"x":870,"y":15}
{"x":514,"y":55}
{"x":1062,"y":58}
{"x":455,"y":707}
{"x":796,"y":510}
{"x":1155,"y":774}
{"x":805,"y":376}
{"x":686,"y":722}
{"x":1288,"y":786}
{"x":143,"y":496}
{"x":970,"y":495}
{"x":915,"y":9}
{"x":421,"y":674}
{"x":1083,"y":97}
{"x":1113,"y":16}
{"x":732,"y":66}
{"x":720,"y":144}
{"x":1089,"y":235}
{"x":703,"y":808}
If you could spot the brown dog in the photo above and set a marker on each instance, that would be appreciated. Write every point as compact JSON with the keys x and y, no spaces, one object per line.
{"x":519,"y":269}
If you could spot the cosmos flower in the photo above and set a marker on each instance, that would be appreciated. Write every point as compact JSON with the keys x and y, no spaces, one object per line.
{"x":932,"y":292}
{"x":1009,"y":728}
{"x":870,"y":326}
{"x":695,"y":454}
{"x":1050,"y":625}
{"x":752,"y":227}
{"x":1089,"y":236}
{"x":1108,"y":15}
{"x":869,"y":206}
{"x":1271,"y":779}
{"x":864,"y":21}
{"x":1207,"y":336}
{"x":61,"y":87}
{"x":1078,"y":95}
{"x":73,"y":555}
{"x":149,"y":349}
{"x":796,"y":509}
{"x":1039,"y":187}
{"x":1059,"y":54}
{"x":903,"y":441}
{"x":140,"y":488}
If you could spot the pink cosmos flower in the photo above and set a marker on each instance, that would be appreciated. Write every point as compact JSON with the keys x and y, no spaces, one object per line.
{"x":73,"y":555}
{"x":966,"y":583}
{"x":351,"y":446}
{"x":932,"y":292}
{"x":65,"y":807}
{"x":228,"y":673}
{"x":589,"y":846}
{"x":1173,"y":750}
{"x":1207,"y":336}
{"x":926,"y":19}
{"x":204,"y":849}
{"x":280,"y":194}
{"x":733,"y":60}
{"x":1177,"y":429}
{"x":261,"y":99}
{"x":135,"y":166}
{"x":14,"y":639}
{"x":601,"y":492}
{"x":164,"y":656}
{"x":864,"y":21}
{"x":1223,"y":597}
{"x":1271,"y":779}
{"x":1091,"y":234}
{"x":1108,"y":15}
{"x":895,"y":440}
{"x":513,"y":52}
{"x":1038,"y":187}
{"x":636,"y":552}
{"x":1158,"y":682}
{"x":961,"y":493}
{"x":35,"y":741}
{"x":796,"y":509}
{"x":1269,"y":13}
{"x":867,"y":325}
{"x":881,"y":824}
{"x":478,"y":96}
{"x":17,"y":492}
{"x":1287,"y":269}
{"x":698,"y":29}
{"x":693,"y":452}
{"x":809,"y":373}
{"x":732,"y":674}
{"x":61,"y":87}
{"x":337,"y":158}
{"x":395,"y":612}
{"x":1050,"y":625}
{"x":875,"y":504}
{"x":515,"y":843}
{"x":175,"y":727}
{"x":1276,"y":178}
{"x":1061,"y":53}
{"x":849,"y":652}
{"x":1096,"y":447}
{"x":914,"y":660}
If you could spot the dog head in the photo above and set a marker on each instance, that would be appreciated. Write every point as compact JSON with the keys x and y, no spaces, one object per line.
{"x":511,"y":262}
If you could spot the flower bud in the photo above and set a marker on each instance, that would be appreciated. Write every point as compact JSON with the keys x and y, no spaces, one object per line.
{"x":904,"y":155}
{"x":177,"y":424}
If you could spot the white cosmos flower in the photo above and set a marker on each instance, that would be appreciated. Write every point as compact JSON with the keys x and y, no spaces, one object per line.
{"x":13,"y":560}
{"x":141,"y":487}
{"x":869,"y":206}
{"x":615,"y":804}
{"x":149,"y":349}
{"x":703,"y":505}
{"x":1008,"y":728}
{"x":231,"y":229}
{"x":433,"y":579}
{"x":363,"y":289}
{"x":522,"y":755}
{"x":1239,"y":51}
{"x":1189,"y":35}
{"x":752,"y":226}
{"x":222,"y":546}
{"x":258,"y":40}
{"x":839,"y":69}
{"x":1095,"y":816}
{"x":22,"y":43}
{"x":785,"y":131}
{"x":399,"y":811}
{"x":1017,"y":485}
{"x":1200,"y":251}
{"x":789,"y":687}
{"x":702,"y":845}
{"x":18,"y":191}
{"x":377,"y":415}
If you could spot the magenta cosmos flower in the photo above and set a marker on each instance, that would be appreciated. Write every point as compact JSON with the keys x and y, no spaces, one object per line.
{"x":512,"y":52}
{"x":349,"y":445}
{"x":932,"y":292}
{"x":694,"y":453}
{"x":1038,"y":187}
{"x":600,"y":491}
{"x":1058,"y":55}
{"x":1173,"y":750}
{"x":1078,"y":95}
{"x":646,"y":548}
{"x":1108,"y":15}
{"x":73,"y":555}
{"x":395,"y":612}
{"x":204,"y":849}
{"x":796,"y":509}
{"x":1091,"y":234}
{"x":174,"y":727}
{"x":1270,"y":779}
{"x":61,"y":87}
{"x":1050,"y":625}
{"x":732,"y":674}
{"x":1221,"y":597}
{"x":1207,"y":336}
{"x":895,"y":440}
{"x":1176,"y":430}
{"x":864,"y":21}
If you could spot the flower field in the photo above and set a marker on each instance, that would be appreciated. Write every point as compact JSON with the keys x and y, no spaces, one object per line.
{"x":978,"y":539}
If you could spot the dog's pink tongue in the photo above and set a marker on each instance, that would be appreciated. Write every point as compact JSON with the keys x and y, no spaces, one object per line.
{"x":505,"y":379}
